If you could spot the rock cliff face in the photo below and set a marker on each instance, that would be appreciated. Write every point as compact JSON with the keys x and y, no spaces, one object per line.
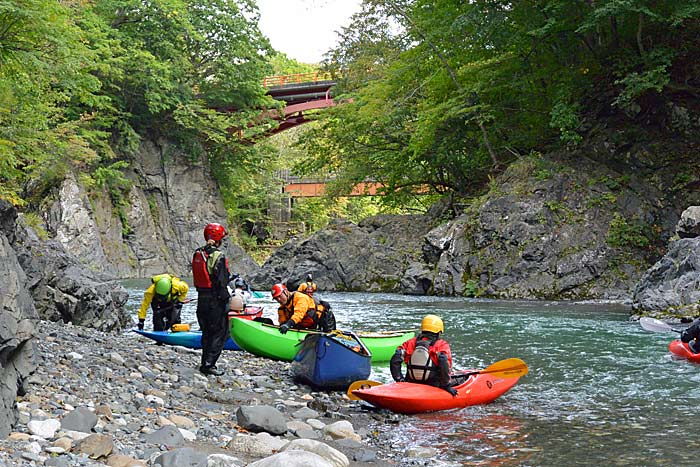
{"x":672,"y":285}
{"x":171,"y":200}
{"x":585,"y":225}
{"x":39,"y":280}
{"x":72,"y":276}
{"x":18,"y":320}
{"x":548,"y":238}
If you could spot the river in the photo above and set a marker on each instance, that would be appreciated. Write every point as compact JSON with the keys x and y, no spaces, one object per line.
{"x":600,"y":390}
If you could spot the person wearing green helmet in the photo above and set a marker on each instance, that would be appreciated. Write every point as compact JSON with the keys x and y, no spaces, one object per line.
{"x":165,"y":295}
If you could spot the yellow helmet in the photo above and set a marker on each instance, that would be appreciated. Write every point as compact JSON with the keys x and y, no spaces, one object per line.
{"x":432,"y":323}
{"x":307,"y":287}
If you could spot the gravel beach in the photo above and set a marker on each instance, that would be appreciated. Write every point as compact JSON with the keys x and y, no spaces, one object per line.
{"x":119,"y":400}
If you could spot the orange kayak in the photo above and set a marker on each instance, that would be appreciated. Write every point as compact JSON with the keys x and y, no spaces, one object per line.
{"x":410,"y":398}
{"x":681,"y":349}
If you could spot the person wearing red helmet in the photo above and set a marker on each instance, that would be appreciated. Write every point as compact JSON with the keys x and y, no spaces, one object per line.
{"x":211,"y":274}
{"x":296,"y":310}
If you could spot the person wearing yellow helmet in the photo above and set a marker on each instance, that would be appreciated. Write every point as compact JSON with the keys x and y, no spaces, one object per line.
{"x":308,"y":287}
{"x":165,"y":295}
{"x":428,"y":358}
{"x":325,"y":317}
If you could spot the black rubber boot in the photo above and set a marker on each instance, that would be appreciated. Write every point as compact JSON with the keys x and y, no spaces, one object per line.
{"x":210,"y":370}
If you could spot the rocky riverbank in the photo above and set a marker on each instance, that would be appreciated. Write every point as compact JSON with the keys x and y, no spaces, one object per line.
{"x":113,"y":399}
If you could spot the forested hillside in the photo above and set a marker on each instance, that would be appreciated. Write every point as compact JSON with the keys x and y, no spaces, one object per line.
{"x":448,"y":93}
{"x":83,"y":83}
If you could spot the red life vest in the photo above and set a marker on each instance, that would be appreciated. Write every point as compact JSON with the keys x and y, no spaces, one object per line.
{"x":202,"y":266}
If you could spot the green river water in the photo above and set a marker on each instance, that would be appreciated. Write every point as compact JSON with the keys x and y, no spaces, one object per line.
{"x":600,"y":391}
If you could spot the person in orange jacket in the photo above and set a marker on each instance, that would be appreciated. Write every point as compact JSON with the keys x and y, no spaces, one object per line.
{"x":296,"y":310}
{"x":428,"y":357}
{"x":308,"y":287}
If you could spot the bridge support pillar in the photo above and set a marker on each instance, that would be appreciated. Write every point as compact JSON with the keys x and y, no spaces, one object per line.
{"x":280,"y":212}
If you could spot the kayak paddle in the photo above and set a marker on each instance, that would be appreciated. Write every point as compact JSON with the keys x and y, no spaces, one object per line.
{"x":655,"y":325}
{"x":508,"y":368}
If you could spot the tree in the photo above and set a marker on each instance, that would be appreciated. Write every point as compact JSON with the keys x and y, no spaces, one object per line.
{"x":446,"y":92}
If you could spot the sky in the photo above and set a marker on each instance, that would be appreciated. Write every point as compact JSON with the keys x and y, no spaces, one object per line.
{"x":305,"y":29}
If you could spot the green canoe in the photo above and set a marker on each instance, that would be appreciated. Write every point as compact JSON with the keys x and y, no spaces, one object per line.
{"x":266,"y":341}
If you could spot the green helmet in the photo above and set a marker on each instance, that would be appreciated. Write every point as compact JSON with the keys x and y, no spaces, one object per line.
{"x":163,"y":286}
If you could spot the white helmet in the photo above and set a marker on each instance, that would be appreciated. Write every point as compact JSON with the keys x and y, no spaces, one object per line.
{"x":236,"y":303}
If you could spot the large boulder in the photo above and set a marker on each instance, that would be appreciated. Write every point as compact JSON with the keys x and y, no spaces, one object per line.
{"x":18,"y":320}
{"x":672,"y":284}
{"x":65,"y":289}
{"x":376,"y":255}
{"x":689,"y":224}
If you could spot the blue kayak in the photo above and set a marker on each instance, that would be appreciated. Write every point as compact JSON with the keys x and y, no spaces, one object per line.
{"x":189,"y":339}
{"x":193,"y":339}
{"x":331,"y":361}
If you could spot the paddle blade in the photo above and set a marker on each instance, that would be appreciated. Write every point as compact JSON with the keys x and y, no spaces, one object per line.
{"x":361,"y":384}
{"x":508,"y":368}
{"x":654,"y":325}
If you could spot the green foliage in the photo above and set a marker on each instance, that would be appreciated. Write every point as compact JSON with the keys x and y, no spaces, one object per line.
{"x":626,"y":234}
{"x":82,"y":82}
{"x":446,"y":93}
{"x":112,"y":178}
{"x":284,"y":65}
{"x":565,"y":118}
{"x":35,"y":222}
{"x":681,"y":180}
{"x":471,"y":288}
{"x":317,"y":212}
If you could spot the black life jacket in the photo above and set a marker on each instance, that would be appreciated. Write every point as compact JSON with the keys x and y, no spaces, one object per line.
{"x":420,"y":365}
{"x":202,"y":266}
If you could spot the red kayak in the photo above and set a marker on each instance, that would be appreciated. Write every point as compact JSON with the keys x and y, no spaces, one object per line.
{"x":410,"y":398}
{"x":681,"y":349}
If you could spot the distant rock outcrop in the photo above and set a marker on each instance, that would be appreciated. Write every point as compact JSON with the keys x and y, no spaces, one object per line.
{"x":381,"y":254}
{"x":672,"y":285}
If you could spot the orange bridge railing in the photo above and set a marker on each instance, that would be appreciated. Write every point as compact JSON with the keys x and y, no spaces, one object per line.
{"x":311,"y":77}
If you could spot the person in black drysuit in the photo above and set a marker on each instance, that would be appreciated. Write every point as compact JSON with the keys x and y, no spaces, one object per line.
{"x":211,"y":275}
{"x":691,"y":334}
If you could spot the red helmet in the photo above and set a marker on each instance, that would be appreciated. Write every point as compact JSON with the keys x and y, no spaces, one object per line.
{"x":214,"y":232}
{"x":277,"y":290}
